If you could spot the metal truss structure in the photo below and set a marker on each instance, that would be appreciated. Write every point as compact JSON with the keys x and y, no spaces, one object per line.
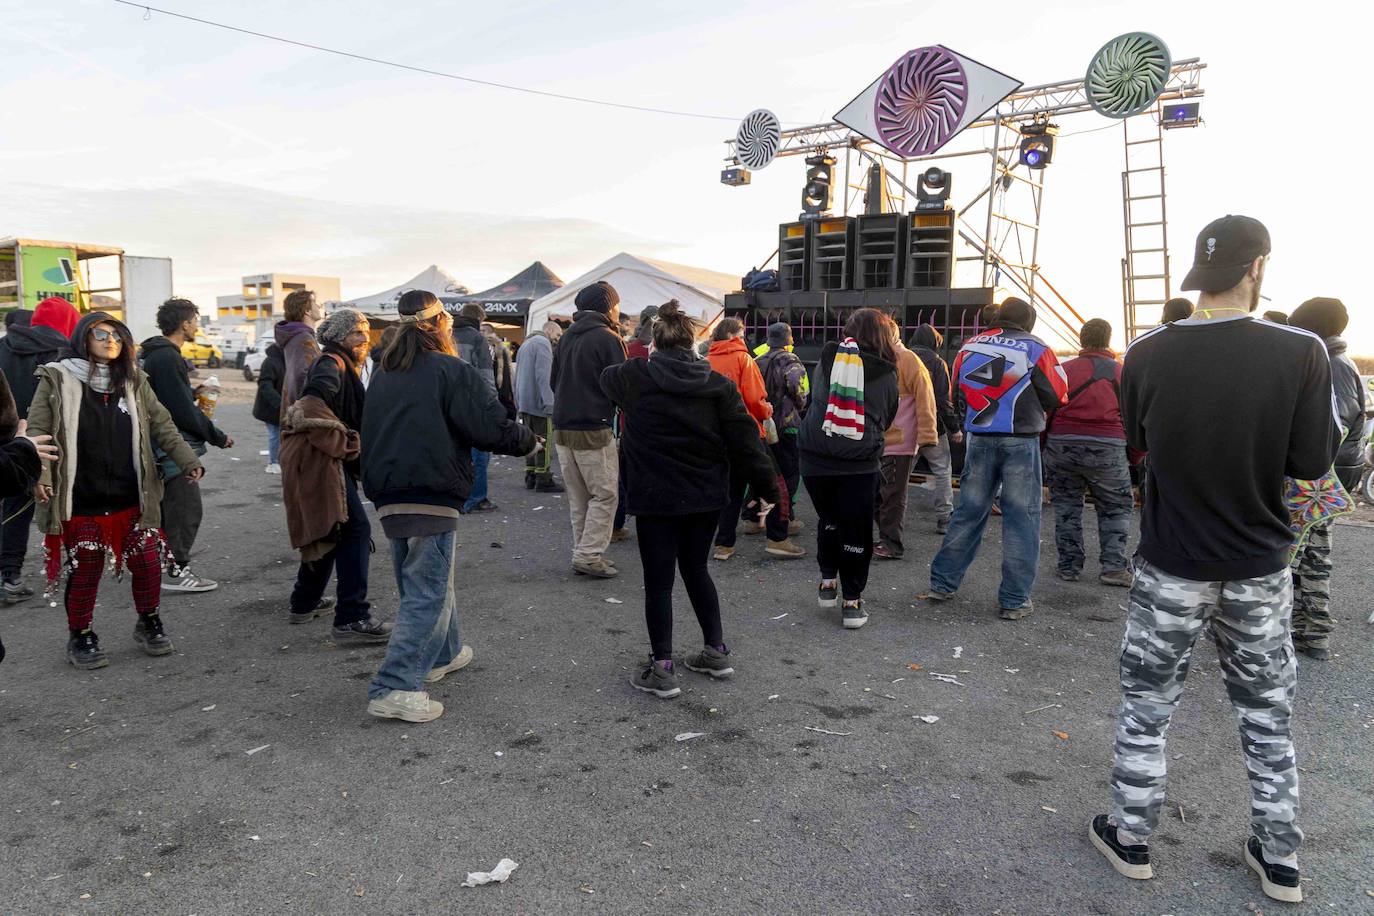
{"x":1006,"y":244}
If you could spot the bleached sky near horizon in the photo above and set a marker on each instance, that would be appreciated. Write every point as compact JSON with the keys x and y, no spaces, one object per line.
{"x":234,"y":155}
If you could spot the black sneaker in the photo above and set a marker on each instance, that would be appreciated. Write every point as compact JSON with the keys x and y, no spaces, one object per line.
{"x":828,"y":595}
{"x":548,"y":485}
{"x":485,"y":505}
{"x":1068,"y":575}
{"x":852,"y":615}
{"x":530,"y":480}
{"x":366,"y":632}
{"x":149,"y":636}
{"x":324,"y":604}
{"x":16,"y":591}
{"x":1131,"y":861}
{"x":942,"y":526}
{"x":1314,"y":650}
{"x":709,"y":661}
{"x":657,"y":678}
{"x":1277,"y":881}
{"x":83,"y":650}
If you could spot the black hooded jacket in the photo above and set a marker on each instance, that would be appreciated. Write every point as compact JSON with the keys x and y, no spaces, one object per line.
{"x":824,"y":455}
{"x":582,"y":355}
{"x":923,"y":345}
{"x":267,"y":403}
{"x":1350,"y":407}
{"x":22,"y":350}
{"x":171,"y":382}
{"x":685,"y":427}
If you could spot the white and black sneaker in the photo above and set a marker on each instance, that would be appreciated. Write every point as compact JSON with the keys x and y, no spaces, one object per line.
{"x":181,"y":579}
{"x":1131,"y":861}
{"x":366,"y":632}
{"x":1277,"y":881}
{"x":828,"y":594}
{"x":15,"y":590}
{"x":853,"y":615}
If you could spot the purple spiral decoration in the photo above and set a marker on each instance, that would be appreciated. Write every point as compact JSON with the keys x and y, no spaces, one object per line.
{"x":920,"y":101}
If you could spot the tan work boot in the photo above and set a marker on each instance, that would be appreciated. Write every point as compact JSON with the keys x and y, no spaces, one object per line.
{"x":724,"y":553}
{"x":598,"y":568}
{"x":784,"y":549}
{"x":752,"y":528}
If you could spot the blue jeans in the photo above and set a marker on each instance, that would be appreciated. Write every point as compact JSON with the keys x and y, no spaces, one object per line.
{"x":273,"y":442}
{"x":480,"y":460}
{"x":1013,"y":463}
{"x":426,"y":634}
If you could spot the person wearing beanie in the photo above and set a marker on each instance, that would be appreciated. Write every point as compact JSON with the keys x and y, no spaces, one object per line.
{"x":26,"y":346}
{"x":18,"y":318}
{"x":785,"y":385}
{"x":474,"y":350}
{"x":1312,"y":620}
{"x":320,"y":470}
{"x":1009,"y":379}
{"x":638,"y":347}
{"x":583,"y":422}
{"x":927,"y":343}
{"x":426,"y":412}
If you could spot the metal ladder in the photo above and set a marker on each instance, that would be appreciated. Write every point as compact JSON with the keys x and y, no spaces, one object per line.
{"x":1145,"y":268}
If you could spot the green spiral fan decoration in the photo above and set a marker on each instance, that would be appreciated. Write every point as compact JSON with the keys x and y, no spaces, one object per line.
{"x":1127,"y":74}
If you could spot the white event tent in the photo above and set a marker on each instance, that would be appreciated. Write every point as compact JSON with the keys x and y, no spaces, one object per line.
{"x":383,"y":305}
{"x":641,"y":282}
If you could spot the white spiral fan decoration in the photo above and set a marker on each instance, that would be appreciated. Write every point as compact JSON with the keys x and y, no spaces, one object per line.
{"x":1127,"y":75}
{"x":758,"y":138}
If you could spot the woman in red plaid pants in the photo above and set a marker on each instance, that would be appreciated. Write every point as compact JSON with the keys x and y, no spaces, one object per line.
{"x":102,"y":497}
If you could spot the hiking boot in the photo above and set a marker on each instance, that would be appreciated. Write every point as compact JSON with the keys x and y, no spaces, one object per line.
{"x":752,"y":528}
{"x":620,"y":534}
{"x":657,"y":678}
{"x":16,"y":591}
{"x":784,"y":549}
{"x":548,"y":485}
{"x":852,"y":615}
{"x":1016,"y":613}
{"x":941,"y":526}
{"x":1121,"y":578}
{"x":530,"y":480}
{"x":181,"y":579}
{"x":460,"y":660}
{"x":485,"y":505}
{"x":1068,"y":575}
{"x":149,"y":636}
{"x":795,"y":526}
{"x":710,"y":661}
{"x":883,"y":552}
{"x":366,"y":632}
{"x":723,"y":553}
{"x":828,"y":595}
{"x":83,"y":650}
{"x":406,"y":705}
{"x":1277,"y":881}
{"x":1318,"y":650}
{"x":1131,"y":861}
{"x":597,"y":568}
{"x":937,"y":595}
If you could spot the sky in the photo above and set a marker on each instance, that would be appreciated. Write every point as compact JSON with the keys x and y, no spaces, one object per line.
{"x":234,"y":155}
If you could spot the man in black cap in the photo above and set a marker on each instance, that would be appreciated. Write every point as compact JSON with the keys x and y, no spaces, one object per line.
{"x":583,"y":420}
{"x":1226,"y":406}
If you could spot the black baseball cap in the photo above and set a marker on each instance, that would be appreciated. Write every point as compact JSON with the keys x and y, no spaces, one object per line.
{"x":1224,"y":251}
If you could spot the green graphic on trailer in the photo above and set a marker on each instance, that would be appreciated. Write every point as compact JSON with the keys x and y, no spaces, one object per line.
{"x":47,"y":272}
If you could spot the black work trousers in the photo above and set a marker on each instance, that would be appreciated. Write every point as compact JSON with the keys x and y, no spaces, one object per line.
{"x":14,"y":535}
{"x":181,"y":515}
{"x":844,"y":530}
{"x":683,"y":541}
{"x":348,"y":560}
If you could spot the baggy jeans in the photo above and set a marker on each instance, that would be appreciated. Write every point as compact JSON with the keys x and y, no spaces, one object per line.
{"x":426,"y":633}
{"x":1248,"y":619}
{"x":591,"y":476}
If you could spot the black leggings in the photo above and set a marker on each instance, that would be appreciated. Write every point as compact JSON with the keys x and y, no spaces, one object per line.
{"x":844,"y":533}
{"x":686,"y":541}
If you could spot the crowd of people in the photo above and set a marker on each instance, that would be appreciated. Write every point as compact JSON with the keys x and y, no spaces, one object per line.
{"x":1206,"y":417}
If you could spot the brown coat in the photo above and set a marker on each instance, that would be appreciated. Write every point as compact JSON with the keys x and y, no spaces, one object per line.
{"x":314,"y":446}
{"x":914,"y":426}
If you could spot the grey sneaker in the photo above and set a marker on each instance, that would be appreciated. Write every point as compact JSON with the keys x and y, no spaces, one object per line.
{"x":149,"y":636}
{"x":657,"y":678}
{"x":1016,"y":613}
{"x":181,"y":579}
{"x":367,"y":632}
{"x":852,"y":615}
{"x":709,"y":661}
{"x":460,"y":660}
{"x":406,"y":705}
{"x":16,"y":591}
{"x":1067,"y":575}
{"x":828,"y":595}
{"x":1121,"y":578}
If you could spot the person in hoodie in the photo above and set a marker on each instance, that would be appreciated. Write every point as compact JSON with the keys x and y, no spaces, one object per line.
{"x":687,"y":432}
{"x":583,"y":421}
{"x":1009,"y":379}
{"x":102,"y":497}
{"x":1086,"y":449}
{"x":21,"y":456}
{"x":296,"y":337}
{"x":913,"y":428}
{"x":853,"y":402}
{"x":425,"y":413}
{"x":927,"y":343}
{"x":785,"y":384}
{"x":534,"y":400}
{"x":182,"y":509}
{"x":1312,"y":621}
{"x":730,"y":357}
{"x":267,"y":406}
{"x":25,"y":347}
{"x":474,"y":350}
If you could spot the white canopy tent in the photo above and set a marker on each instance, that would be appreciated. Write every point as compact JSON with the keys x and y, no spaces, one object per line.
{"x":641,"y":282}
{"x":383,"y":305}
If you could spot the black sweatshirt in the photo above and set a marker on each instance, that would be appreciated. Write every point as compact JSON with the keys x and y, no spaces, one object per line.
{"x":1225,"y":409}
{"x":171,"y":382}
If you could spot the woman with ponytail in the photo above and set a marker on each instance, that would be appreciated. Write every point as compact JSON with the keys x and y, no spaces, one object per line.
{"x":426,"y":412}
{"x":685,"y":428}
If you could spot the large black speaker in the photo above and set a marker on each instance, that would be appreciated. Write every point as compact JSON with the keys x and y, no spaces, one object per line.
{"x":831,"y":247}
{"x":880,"y":251}
{"x":793,"y":257}
{"x":930,"y":250}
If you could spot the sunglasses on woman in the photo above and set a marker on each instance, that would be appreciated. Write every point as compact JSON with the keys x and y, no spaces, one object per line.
{"x":104,"y":336}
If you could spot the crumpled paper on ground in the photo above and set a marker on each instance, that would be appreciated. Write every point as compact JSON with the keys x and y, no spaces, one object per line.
{"x":498,"y":875}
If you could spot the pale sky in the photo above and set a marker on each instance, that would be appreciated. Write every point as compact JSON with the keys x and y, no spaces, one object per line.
{"x":234,"y":155}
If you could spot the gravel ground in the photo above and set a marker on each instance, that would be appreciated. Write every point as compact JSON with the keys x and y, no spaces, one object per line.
{"x":242,"y":775}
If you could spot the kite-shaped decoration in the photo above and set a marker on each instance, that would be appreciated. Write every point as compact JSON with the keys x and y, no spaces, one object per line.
{"x":1311,"y":502}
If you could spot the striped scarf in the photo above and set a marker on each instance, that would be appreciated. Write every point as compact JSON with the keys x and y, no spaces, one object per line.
{"x":844,"y":411}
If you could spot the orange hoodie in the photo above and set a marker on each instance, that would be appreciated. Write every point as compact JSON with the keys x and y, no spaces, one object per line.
{"x":731,"y":358}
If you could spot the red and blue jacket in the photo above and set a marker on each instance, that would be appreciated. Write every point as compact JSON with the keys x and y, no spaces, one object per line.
{"x":1008,"y":379}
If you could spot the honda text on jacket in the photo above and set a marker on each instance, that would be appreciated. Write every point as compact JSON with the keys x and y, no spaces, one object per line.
{"x":1008,"y":379}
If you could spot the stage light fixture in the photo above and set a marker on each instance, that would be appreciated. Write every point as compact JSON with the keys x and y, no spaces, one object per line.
{"x":1181,"y":114}
{"x":820,"y":171}
{"x":735,"y":177}
{"x":1037,"y":144}
{"x":933,"y":188}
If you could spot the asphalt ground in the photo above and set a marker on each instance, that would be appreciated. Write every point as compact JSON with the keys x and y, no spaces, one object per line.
{"x":813,"y":788}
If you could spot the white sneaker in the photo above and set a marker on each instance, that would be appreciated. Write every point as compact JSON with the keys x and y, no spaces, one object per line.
{"x":273,"y":468}
{"x":406,"y":705}
{"x":183,"y":580}
{"x":460,"y":660}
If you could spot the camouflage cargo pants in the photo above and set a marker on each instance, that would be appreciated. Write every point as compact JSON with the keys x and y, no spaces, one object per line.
{"x":1072,"y":466}
{"x":1312,"y":622}
{"x":1248,"y":619}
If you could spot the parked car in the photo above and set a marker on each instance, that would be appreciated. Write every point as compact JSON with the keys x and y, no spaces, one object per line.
{"x":201,"y":352}
{"x":253,"y":359}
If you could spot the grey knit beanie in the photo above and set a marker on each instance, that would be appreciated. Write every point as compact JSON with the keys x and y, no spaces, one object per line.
{"x":339,"y":324}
